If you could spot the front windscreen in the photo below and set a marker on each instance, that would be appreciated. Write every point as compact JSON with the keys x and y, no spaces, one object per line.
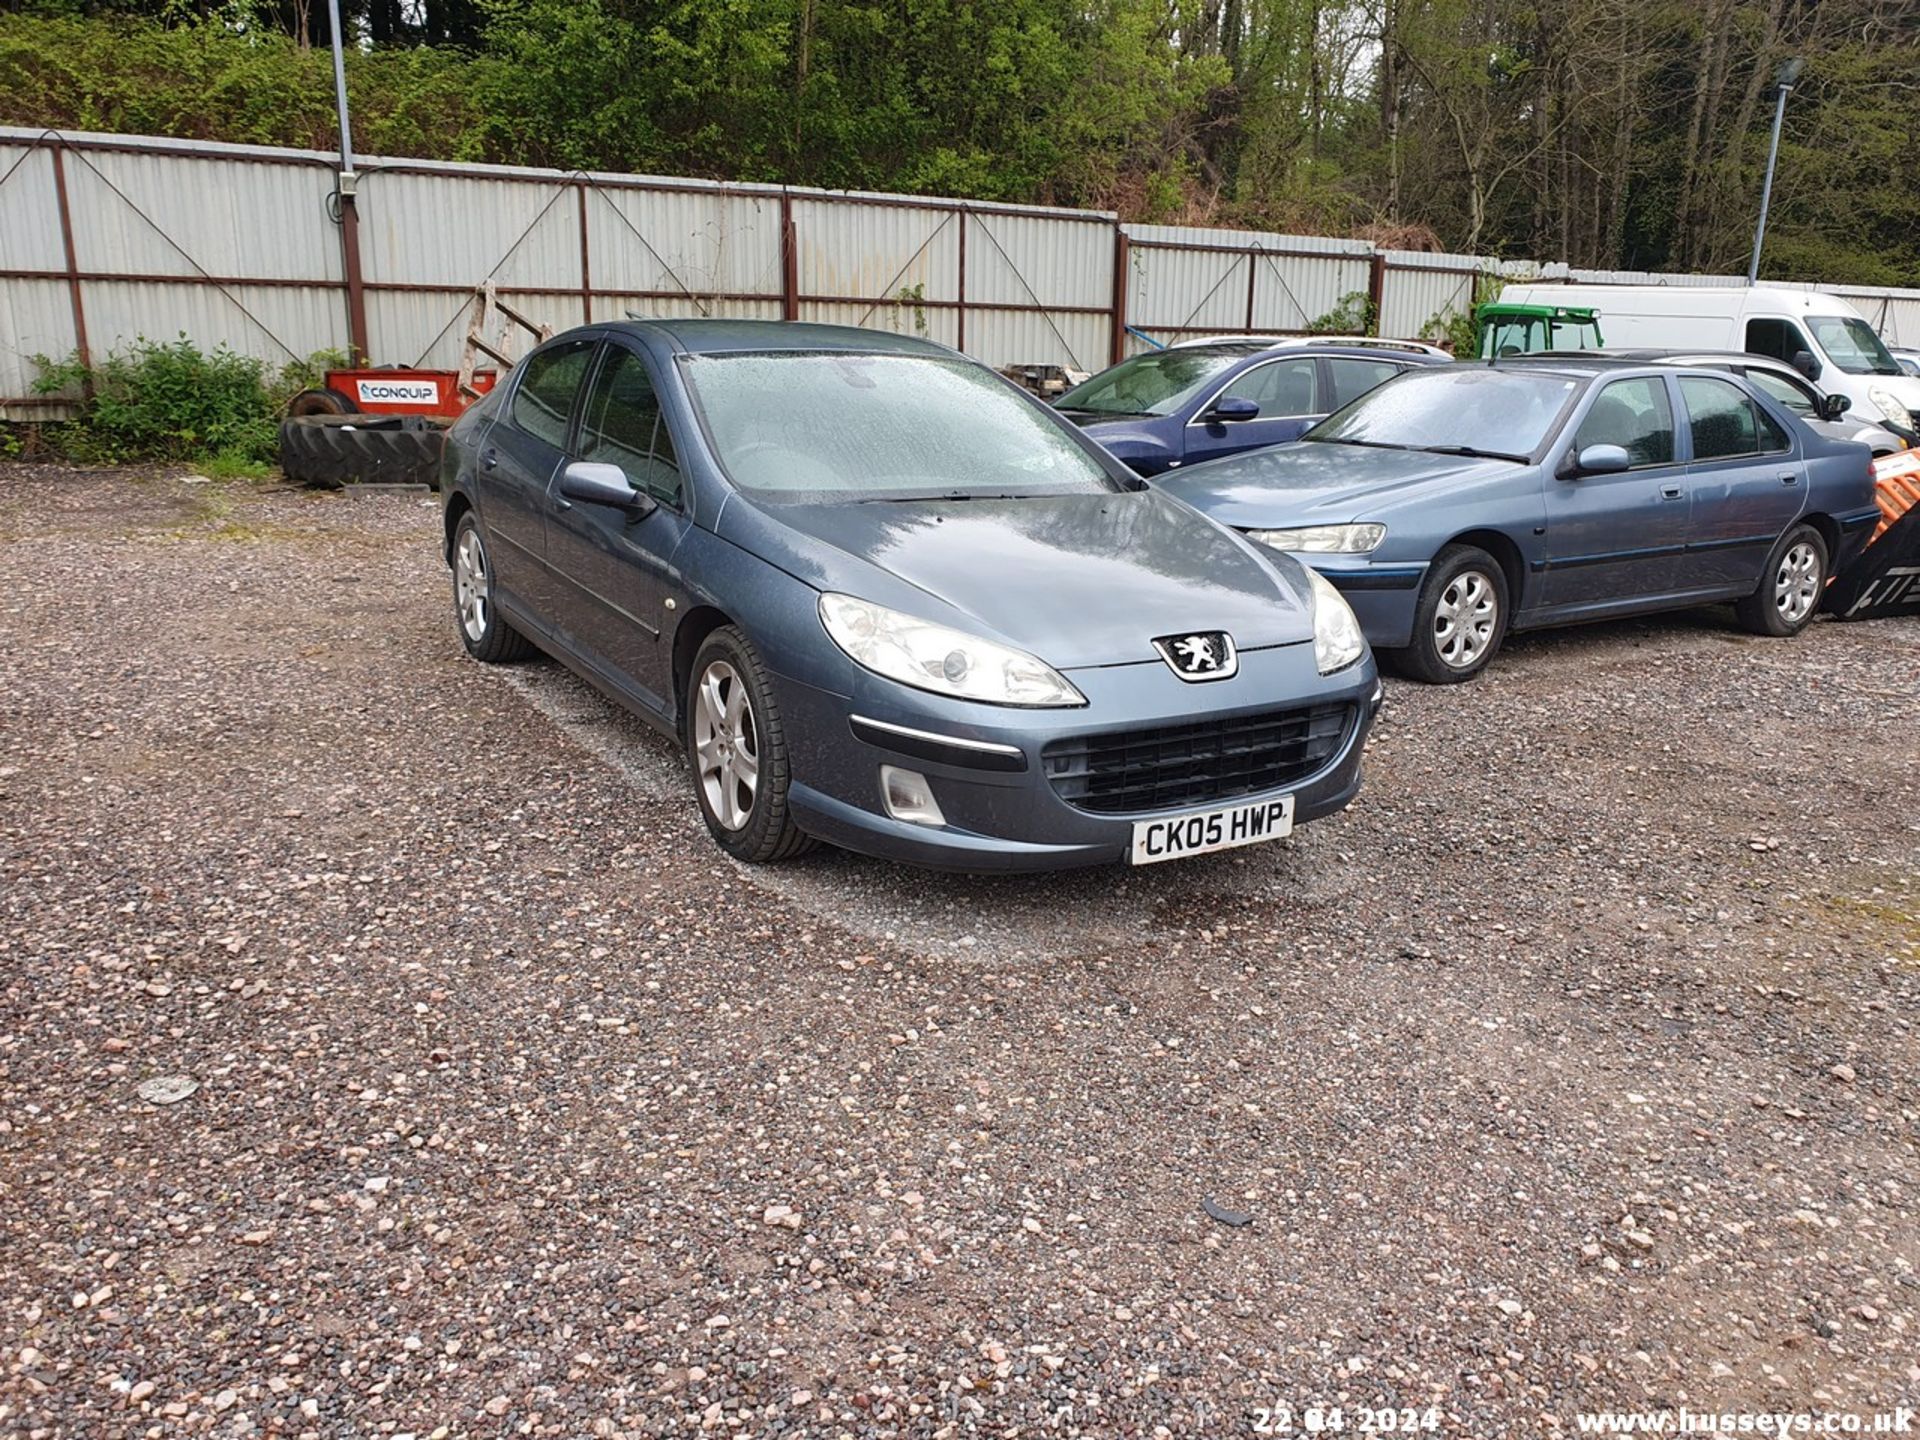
{"x":1473,"y":410}
{"x":1851,"y":344}
{"x":1154,"y":384}
{"x":840,"y":426}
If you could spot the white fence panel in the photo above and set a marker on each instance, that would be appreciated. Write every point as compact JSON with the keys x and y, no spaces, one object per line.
{"x":274,"y":324}
{"x":454,"y":231}
{"x":1184,"y":281}
{"x":674,"y":244}
{"x":166,"y":213}
{"x":852,"y":250}
{"x":1422,"y":292}
{"x":36,"y":316}
{"x":1175,"y":294}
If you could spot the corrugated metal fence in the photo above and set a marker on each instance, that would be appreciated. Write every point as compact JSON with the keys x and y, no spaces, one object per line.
{"x":108,"y":238}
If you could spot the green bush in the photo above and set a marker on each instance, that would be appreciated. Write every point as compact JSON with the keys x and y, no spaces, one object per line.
{"x":1352,"y":316}
{"x":170,"y":401}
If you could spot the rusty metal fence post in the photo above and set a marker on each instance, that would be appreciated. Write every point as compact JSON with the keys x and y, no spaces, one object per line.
{"x":81,"y":348}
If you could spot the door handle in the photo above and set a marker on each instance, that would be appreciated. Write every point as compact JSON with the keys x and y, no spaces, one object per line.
{"x":1672,"y":492}
{"x":1789,"y":477}
{"x":489,"y":458}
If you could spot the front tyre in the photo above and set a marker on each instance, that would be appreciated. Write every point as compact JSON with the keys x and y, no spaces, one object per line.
{"x":1460,"y":620}
{"x":1790,"y":589}
{"x":486,"y":636}
{"x":737,"y":751}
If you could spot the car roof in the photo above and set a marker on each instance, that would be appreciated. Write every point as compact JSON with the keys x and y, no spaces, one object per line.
{"x":1700,"y":357}
{"x":1570,"y":362}
{"x":1390,"y":344}
{"x":722,"y":337}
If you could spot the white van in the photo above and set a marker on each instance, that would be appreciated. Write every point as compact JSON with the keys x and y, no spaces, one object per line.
{"x":1820,"y":335}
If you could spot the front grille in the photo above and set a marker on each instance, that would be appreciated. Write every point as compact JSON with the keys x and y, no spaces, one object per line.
{"x":1179,"y":765}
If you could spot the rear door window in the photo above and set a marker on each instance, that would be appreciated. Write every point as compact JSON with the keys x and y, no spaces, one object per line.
{"x":1724,"y":421}
{"x":1353,"y":378}
{"x":1635,"y":415}
{"x":543,"y":398}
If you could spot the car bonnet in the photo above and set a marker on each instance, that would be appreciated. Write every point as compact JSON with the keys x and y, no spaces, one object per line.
{"x":1310,"y":483}
{"x":1078,"y":580}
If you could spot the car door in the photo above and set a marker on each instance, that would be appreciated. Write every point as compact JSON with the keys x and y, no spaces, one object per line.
{"x":1287,"y":391}
{"x":518,"y":459}
{"x":615,"y":567}
{"x":1748,"y":482}
{"x":1617,"y":538}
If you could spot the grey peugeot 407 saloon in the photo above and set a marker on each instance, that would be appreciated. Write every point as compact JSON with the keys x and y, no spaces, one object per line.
{"x":885,"y":599}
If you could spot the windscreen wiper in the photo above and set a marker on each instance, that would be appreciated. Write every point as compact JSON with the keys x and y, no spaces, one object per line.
{"x":1476,"y":453}
{"x":930,"y":499}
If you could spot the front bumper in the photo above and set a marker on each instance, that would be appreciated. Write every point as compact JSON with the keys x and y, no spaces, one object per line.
{"x":1002,"y":818}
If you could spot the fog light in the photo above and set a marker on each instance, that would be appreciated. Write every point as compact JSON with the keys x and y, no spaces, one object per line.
{"x":909,"y":797}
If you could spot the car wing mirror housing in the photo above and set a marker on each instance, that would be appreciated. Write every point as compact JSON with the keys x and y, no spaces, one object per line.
{"x":1231,"y":408}
{"x":1834,"y":406}
{"x":594,"y":483}
{"x":1804,"y":362}
{"x":1602,"y":460}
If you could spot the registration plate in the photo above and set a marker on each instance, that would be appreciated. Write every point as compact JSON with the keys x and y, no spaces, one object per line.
{"x":1177,"y":836}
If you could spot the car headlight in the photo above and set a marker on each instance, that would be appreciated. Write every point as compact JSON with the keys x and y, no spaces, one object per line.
{"x":1337,"y":641}
{"x":1891,"y":408}
{"x":1324,"y":539}
{"x":933,"y":657}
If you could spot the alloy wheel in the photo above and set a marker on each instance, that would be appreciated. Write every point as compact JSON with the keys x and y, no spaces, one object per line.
{"x":1465,"y":619}
{"x":726,"y":745}
{"x":472,"y":585}
{"x":1796,"y":584}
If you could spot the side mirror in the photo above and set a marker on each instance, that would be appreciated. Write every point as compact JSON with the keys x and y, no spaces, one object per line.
{"x":1230,"y":408}
{"x":1804,"y":362}
{"x":593,"y":483}
{"x":1602,"y":460}
{"x":1832,"y":407}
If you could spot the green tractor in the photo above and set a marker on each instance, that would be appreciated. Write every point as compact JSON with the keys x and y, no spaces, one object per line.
{"x":1514,"y":329}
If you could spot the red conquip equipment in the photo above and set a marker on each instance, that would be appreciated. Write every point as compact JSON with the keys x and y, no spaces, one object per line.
{"x":388,"y":425}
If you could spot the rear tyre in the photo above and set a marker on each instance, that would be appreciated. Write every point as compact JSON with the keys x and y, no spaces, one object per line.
{"x":737,"y":751}
{"x":1791,"y":587}
{"x":486,"y":636}
{"x":1460,"y":620}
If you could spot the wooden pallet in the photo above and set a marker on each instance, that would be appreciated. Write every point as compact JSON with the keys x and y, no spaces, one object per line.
{"x":493,"y":317}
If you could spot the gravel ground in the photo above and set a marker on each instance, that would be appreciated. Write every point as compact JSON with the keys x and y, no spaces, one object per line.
{"x":1573,"y":1068}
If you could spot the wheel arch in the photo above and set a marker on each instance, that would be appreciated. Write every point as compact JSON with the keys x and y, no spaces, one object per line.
{"x":700,"y":622}
{"x":1829,"y":531}
{"x":458,"y":504}
{"x":1513,"y":563}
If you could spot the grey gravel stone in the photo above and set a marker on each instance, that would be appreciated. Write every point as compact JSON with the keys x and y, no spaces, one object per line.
{"x":1495,"y":1035}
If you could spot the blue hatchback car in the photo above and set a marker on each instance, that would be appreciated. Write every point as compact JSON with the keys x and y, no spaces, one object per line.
{"x":1454,"y":505}
{"x":886,"y":599}
{"x":1205,"y":400}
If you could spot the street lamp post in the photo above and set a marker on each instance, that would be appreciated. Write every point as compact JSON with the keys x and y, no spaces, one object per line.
{"x":346,"y":189}
{"x":1783,"y":82}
